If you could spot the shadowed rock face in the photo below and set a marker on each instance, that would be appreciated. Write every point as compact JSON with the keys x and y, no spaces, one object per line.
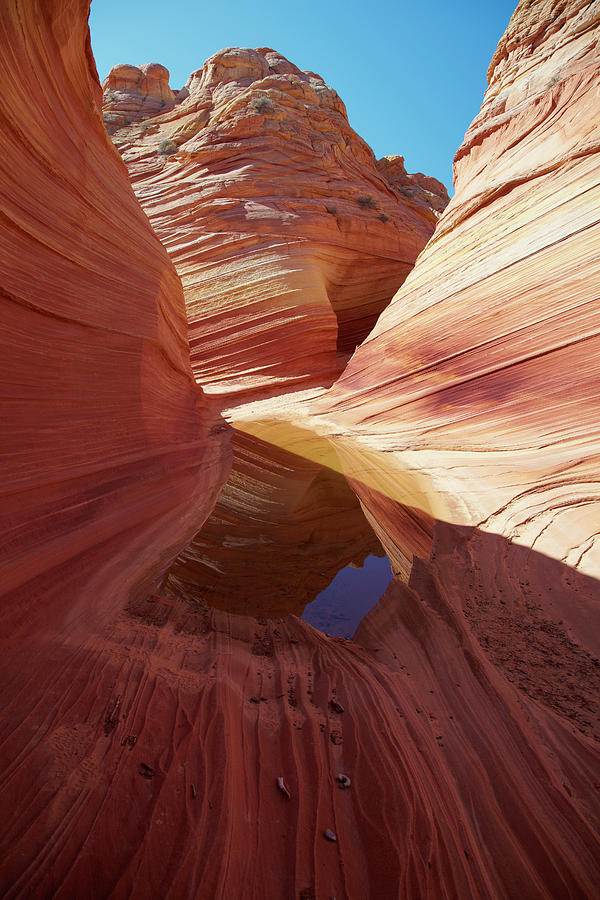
{"x":282,"y":528}
{"x":142,"y":737}
{"x":288,"y":239}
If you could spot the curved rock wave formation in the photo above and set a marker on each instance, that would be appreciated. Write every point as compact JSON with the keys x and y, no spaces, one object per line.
{"x":288,"y":238}
{"x":480,"y":378}
{"x":150,"y":747}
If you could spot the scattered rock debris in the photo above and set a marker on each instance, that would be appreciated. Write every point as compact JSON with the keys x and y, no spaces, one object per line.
{"x":282,"y":787}
{"x":343,"y":781}
{"x":336,"y":706}
{"x":146,"y":771}
{"x":129,"y":740}
{"x":111,"y":719}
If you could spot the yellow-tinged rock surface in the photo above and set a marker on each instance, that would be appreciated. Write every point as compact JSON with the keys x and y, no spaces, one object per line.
{"x":282,"y":528}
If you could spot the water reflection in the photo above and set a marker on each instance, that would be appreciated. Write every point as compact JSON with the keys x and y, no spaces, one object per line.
{"x":281,"y":531}
{"x":339,"y":609}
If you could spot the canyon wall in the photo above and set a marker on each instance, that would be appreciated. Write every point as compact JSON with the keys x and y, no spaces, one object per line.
{"x":143,"y":739}
{"x":111,"y":455}
{"x":480,"y":379}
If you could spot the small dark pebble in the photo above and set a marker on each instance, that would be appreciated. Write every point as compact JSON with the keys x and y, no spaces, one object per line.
{"x":330,"y":835}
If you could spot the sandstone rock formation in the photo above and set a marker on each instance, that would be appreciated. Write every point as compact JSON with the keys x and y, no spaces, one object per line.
{"x":109,"y":460}
{"x":132,"y":94}
{"x":288,"y":240}
{"x":430,"y":192}
{"x":142,"y":738}
{"x":480,"y":379}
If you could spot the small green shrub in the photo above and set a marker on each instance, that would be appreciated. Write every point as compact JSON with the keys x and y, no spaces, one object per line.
{"x":383,"y":218}
{"x":366,"y":202}
{"x":166,"y":147}
{"x":262,"y":105}
{"x":554,"y":80}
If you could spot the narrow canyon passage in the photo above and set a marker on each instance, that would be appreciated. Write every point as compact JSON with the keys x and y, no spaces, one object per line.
{"x":196,"y":446}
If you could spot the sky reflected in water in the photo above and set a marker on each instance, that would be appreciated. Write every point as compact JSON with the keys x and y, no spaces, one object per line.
{"x":339,"y":609}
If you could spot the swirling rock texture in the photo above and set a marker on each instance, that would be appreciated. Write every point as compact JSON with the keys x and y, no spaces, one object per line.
{"x":289,"y":243}
{"x":480,"y":379}
{"x":288,"y":239}
{"x":109,"y":463}
{"x":464,"y":714}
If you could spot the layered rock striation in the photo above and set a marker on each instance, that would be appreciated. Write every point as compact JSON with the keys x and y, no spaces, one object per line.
{"x":479,"y":379}
{"x":111,"y":455}
{"x":151,"y":747}
{"x":288,"y":239}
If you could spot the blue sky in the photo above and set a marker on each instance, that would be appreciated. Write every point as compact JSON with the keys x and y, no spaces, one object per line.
{"x":412,"y":75}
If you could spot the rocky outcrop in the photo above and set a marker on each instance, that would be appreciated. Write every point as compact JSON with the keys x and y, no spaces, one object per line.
{"x":423,"y":189}
{"x":288,"y":240}
{"x":132,"y":94}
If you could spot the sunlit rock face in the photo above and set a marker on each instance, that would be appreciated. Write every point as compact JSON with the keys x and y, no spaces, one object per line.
{"x":154,"y":748}
{"x":282,"y":528}
{"x":422,"y":189}
{"x":132,"y":93}
{"x":480,"y":380}
{"x":288,"y":238}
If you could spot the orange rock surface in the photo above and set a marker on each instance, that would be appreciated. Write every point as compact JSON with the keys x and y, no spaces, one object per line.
{"x":133,"y":93}
{"x":480,"y":380}
{"x":288,"y":239}
{"x":106,"y":439}
{"x":143,"y":738}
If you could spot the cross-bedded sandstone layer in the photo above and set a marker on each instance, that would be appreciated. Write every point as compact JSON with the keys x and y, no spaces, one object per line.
{"x":142,"y":739}
{"x":111,"y":455}
{"x":480,"y":380}
{"x":288,"y":238}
